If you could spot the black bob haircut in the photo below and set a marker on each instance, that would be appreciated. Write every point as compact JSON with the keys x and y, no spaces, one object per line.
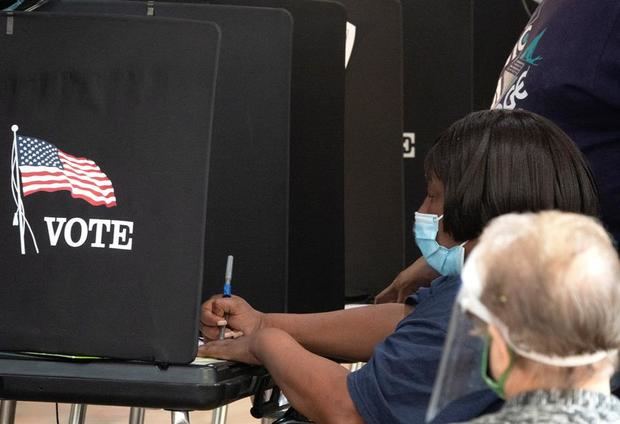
{"x":494,"y":162}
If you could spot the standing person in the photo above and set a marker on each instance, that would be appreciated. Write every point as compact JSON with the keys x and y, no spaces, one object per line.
{"x":542,"y":291}
{"x":566,"y":67}
{"x":486,"y":164}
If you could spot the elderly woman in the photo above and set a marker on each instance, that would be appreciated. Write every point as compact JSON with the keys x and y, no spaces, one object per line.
{"x":543,"y":291}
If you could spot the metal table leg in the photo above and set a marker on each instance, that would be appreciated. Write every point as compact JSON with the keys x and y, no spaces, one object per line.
{"x":219,"y":415}
{"x":136,"y":415}
{"x":7,"y":411}
{"x":180,"y":417}
{"x":77,"y":414}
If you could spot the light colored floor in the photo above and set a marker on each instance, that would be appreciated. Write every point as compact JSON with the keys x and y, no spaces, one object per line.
{"x":45,"y":413}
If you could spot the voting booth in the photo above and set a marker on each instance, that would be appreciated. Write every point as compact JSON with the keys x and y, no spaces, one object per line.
{"x":97,"y":204}
{"x":316,"y":228}
{"x":110,"y":153}
{"x":147,"y":141}
{"x":248,"y":188}
{"x":277,"y":170}
{"x":346,"y":205}
{"x":374,"y":231}
{"x":144,"y":144}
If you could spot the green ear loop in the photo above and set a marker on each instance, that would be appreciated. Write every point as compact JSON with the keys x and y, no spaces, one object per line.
{"x":496,"y":385}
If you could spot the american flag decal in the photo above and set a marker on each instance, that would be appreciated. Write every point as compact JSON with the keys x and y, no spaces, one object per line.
{"x":44,"y":167}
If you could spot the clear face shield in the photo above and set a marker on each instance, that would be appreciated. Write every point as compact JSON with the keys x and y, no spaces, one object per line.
{"x":459,"y":375}
{"x":461,"y":368}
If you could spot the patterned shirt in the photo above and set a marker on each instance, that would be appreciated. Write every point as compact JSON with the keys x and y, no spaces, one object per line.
{"x":565,"y":67}
{"x":557,"y":407}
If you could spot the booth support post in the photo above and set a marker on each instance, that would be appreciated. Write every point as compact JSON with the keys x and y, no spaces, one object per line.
{"x":77,"y":414}
{"x":7,"y":411}
{"x":219,"y":415}
{"x":180,"y":417}
{"x":136,"y":415}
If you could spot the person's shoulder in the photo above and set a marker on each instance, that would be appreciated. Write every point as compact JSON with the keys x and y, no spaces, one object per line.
{"x":432,"y":306}
{"x":446,"y":281}
{"x":442,"y":288}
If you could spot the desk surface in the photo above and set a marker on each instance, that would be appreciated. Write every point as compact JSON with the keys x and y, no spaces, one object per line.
{"x":176,"y":387}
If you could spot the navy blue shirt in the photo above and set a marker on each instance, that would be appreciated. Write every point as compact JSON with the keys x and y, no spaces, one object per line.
{"x":566,"y":67}
{"x":396,"y":384}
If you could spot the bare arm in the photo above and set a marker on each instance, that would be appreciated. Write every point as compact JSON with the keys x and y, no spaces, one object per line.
{"x":416,"y":275}
{"x":345,"y":334}
{"x":348,"y":334}
{"x":315,"y":386}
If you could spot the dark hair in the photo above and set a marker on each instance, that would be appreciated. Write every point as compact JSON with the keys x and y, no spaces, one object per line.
{"x":494,"y":162}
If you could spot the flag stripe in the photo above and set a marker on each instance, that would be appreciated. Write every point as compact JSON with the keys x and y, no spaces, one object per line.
{"x":100,"y":182}
{"x":86,"y":168}
{"x":107,"y":203}
{"x":48,"y":189}
{"x":29,"y":181}
{"x":84,"y":176}
{"x":85,"y":193}
{"x":93,"y":200}
{"x":75,"y":159}
{"x":88,"y":173}
{"x":29,"y":178}
{"x":32,"y":187}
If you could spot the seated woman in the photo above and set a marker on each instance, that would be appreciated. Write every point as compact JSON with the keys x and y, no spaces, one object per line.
{"x":485,"y":165}
{"x":544,"y":292}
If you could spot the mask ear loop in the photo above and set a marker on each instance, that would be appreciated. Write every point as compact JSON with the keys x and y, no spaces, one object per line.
{"x":498,"y":386}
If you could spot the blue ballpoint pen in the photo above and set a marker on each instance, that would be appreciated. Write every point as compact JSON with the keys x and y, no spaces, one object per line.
{"x":227,"y":290}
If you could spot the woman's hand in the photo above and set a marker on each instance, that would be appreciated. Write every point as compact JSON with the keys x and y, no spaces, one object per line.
{"x":247,"y":349}
{"x":315,"y":386}
{"x":233,"y":349}
{"x":241,"y":317}
{"x":416,"y":275}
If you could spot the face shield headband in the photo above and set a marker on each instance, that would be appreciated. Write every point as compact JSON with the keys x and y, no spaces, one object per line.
{"x":459,"y":377}
{"x":469,"y":300}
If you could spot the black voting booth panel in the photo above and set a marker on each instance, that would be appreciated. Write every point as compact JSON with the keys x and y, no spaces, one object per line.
{"x":247,"y":212}
{"x":373,"y":147}
{"x":122,"y":281}
{"x":316,"y":207}
{"x":454,"y":52}
{"x":353,"y":189}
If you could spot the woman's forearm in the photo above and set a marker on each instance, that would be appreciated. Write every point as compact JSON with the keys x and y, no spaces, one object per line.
{"x":315,"y":386}
{"x":348,"y":334}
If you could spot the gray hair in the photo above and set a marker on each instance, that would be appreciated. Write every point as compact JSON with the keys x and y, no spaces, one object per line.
{"x":554,"y":279}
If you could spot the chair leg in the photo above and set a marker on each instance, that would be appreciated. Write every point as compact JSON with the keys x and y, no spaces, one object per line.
{"x":7,"y":411}
{"x":136,"y":415}
{"x":180,"y":417}
{"x":77,"y":414}
{"x":219,"y":415}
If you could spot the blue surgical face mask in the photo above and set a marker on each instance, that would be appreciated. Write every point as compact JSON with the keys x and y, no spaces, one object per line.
{"x":446,"y":261}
